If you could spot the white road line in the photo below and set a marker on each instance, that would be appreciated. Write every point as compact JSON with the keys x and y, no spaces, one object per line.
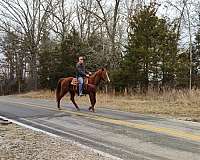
{"x":83,"y":138}
{"x":67,"y":140}
{"x":29,"y":127}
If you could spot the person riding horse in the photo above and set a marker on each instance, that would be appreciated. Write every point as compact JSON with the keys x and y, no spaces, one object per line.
{"x":81,"y":73}
{"x":66,"y":84}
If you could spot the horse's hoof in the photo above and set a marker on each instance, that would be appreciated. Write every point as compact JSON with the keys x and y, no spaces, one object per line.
{"x":91,"y":109}
{"x":59,"y":109}
{"x":78,"y":109}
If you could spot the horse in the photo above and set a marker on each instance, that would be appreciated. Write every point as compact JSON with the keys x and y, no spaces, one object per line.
{"x":65,"y":85}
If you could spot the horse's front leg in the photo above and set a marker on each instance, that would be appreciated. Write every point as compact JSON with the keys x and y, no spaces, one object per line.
{"x":72,"y":94}
{"x":92,"y":100}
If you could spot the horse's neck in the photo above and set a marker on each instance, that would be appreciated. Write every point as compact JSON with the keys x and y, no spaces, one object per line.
{"x":94,"y":79}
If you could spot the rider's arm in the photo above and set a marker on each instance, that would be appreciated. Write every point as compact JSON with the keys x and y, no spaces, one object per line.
{"x":88,"y":72}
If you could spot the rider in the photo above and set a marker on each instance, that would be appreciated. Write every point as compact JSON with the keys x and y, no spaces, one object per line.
{"x":81,"y":73}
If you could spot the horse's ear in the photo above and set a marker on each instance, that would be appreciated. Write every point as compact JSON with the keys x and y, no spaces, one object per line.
{"x":102,"y":69}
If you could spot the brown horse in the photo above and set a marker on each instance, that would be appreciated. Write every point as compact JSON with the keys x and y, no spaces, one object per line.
{"x":64,"y":85}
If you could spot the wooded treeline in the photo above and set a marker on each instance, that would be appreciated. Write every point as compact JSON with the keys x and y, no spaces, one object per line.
{"x":142,"y":43}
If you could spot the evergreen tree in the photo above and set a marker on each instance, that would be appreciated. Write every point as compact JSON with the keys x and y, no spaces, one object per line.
{"x":151,"y":51}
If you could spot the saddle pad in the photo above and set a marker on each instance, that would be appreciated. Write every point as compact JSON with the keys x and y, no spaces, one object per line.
{"x":74,"y":82}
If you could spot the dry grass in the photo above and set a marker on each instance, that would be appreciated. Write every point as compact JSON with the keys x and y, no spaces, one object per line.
{"x":179,"y":104}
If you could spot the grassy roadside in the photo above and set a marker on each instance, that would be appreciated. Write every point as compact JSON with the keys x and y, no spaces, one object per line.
{"x":179,"y":104}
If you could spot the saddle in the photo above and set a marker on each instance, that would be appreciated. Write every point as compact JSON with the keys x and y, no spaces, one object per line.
{"x":75,"y":83}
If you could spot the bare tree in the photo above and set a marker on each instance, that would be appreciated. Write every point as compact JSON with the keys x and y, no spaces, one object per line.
{"x":180,"y":16}
{"x":111,"y":31}
{"x":14,"y":56}
{"x":185,"y":16}
{"x":84,"y":12}
{"x":31,"y":16}
{"x":61,"y":19}
{"x":190,"y":42}
{"x":110,"y":22}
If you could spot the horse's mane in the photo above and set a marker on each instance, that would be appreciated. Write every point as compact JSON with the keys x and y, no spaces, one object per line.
{"x":92,"y":77}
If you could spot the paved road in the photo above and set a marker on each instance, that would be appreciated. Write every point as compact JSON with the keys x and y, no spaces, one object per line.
{"x":128,"y":136}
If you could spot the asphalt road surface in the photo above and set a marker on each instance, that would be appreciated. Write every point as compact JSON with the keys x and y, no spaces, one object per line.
{"x":129,"y":136}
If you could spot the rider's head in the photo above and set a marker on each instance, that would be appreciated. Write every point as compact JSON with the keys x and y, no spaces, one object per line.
{"x":80,"y":59}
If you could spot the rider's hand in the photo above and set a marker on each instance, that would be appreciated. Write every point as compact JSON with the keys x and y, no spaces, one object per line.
{"x":87,"y":75}
{"x":90,"y":73}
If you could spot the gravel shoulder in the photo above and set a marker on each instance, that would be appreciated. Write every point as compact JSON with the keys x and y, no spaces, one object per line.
{"x":18,"y":143}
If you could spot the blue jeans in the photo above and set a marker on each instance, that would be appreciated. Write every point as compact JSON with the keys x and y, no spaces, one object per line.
{"x":80,"y":80}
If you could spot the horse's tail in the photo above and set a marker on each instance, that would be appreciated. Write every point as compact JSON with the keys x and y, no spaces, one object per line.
{"x":58,"y":88}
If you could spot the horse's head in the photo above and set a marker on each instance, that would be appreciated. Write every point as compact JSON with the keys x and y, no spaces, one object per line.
{"x":99,"y":75}
{"x":104,"y":75}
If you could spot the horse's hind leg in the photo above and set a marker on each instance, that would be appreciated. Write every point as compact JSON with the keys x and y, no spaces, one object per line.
{"x":72,"y":95}
{"x":92,"y":100}
{"x":63,"y":92}
{"x":58,"y":103}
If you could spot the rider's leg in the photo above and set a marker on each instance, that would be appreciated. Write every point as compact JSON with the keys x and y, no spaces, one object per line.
{"x":80,"y":80}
